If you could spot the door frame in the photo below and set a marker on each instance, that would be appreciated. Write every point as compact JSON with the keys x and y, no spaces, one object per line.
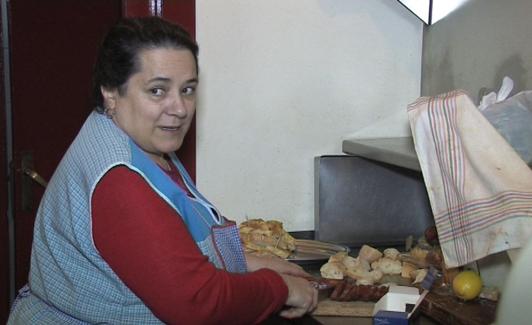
{"x":7,"y":193}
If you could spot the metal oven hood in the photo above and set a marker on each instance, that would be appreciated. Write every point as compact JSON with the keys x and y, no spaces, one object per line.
{"x":373,"y":195}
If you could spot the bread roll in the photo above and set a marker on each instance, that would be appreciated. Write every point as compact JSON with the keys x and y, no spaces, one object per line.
{"x":338,"y":257}
{"x":406,"y":271}
{"x":357,"y":273}
{"x":419,"y":254}
{"x":332,"y":270}
{"x":369,"y":254}
{"x":355,"y":263}
{"x":370,"y":278}
{"x":391,"y":253}
{"x":419,"y":275}
{"x":387,"y":266}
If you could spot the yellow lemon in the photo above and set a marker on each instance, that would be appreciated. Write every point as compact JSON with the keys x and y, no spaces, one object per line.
{"x":467,"y":285}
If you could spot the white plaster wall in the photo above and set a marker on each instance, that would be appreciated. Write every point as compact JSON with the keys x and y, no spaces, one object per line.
{"x":284,"y":81}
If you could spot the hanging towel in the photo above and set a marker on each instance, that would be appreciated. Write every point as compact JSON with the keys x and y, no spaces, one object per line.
{"x":480,"y":190}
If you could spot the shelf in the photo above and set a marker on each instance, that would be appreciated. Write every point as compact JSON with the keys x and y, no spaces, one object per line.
{"x":394,"y":151}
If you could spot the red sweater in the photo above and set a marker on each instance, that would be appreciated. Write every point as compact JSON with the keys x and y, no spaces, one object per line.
{"x":148,"y":246}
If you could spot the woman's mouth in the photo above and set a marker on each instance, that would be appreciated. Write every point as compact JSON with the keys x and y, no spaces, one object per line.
{"x":170,"y":128}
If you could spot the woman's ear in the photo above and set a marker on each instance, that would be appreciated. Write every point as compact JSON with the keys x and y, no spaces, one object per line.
{"x":109,"y":97}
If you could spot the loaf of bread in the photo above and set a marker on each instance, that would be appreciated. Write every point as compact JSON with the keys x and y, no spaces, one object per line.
{"x":266,"y":238}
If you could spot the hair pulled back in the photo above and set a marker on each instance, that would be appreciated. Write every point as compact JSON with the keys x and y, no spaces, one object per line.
{"x":118,"y":59}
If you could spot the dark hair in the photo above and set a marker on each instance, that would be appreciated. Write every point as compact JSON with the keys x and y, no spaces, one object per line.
{"x":118,"y":58}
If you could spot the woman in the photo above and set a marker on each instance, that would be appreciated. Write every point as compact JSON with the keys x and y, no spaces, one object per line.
{"x":122,"y":236}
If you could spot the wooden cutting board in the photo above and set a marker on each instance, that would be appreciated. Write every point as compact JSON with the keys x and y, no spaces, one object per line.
{"x":328,"y":307}
{"x":344,"y":308}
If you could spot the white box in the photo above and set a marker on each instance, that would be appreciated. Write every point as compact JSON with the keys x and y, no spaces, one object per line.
{"x":397,"y":299}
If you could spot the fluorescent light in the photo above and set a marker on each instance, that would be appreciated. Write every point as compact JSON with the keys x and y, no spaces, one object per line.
{"x":442,"y":8}
{"x":420,"y":8}
{"x":430,"y":11}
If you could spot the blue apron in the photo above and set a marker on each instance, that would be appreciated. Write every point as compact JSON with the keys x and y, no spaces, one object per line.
{"x":69,"y":282}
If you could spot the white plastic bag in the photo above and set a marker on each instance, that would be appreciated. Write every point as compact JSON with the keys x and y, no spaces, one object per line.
{"x":492,"y":98}
{"x":513,"y":119}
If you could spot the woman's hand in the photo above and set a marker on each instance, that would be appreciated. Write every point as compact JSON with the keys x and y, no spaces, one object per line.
{"x":302,"y":297}
{"x":276,"y":264}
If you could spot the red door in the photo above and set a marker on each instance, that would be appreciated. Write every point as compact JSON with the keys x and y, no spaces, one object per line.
{"x":52,"y":49}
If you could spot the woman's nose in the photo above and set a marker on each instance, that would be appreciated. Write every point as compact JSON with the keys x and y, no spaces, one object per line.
{"x":178,"y":107}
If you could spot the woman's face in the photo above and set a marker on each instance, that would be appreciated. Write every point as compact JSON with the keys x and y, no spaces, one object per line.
{"x":159,"y":100}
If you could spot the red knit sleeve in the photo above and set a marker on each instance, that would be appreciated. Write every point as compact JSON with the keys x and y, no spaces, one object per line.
{"x":148,"y":246}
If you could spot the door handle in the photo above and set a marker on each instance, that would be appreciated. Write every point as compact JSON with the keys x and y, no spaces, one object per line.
{"x":29,"y":177}
{"x":35,"y":176}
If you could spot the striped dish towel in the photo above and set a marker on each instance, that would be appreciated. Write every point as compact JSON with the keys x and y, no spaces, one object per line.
{"x":480,"y":190}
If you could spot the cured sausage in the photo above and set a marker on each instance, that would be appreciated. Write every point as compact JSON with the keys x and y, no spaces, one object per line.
{"x":348,"y":290}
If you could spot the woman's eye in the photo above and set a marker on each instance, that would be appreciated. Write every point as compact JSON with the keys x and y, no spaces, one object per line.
{"x":188,"y":90}
{"x":157,"y":91}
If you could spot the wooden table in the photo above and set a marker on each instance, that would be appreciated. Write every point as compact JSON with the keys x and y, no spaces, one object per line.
{"x":441,"y":308}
